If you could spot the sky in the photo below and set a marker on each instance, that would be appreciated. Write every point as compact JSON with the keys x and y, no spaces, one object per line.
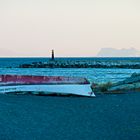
{"x":70,"y":27}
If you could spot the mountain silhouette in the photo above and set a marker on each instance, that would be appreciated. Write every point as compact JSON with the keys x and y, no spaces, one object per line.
{"x":8,"y":53}
{"x":111,"y":52}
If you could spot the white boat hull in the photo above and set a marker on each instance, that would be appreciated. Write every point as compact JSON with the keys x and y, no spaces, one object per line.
{"x":74,"y":89}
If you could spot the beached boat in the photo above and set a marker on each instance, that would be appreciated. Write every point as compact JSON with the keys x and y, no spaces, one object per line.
{"x":45,"y":85}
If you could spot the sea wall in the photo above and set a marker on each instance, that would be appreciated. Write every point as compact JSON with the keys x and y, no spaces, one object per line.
{"x":82,"y":64}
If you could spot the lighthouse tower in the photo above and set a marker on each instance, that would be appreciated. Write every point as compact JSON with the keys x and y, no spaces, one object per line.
{"x":52,"y":55}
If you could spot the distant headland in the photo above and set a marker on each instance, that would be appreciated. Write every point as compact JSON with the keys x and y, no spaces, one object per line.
{"x":111,"y":52}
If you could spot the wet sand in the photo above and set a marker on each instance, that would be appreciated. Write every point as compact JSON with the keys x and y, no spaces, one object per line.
{"x":106,"y":117}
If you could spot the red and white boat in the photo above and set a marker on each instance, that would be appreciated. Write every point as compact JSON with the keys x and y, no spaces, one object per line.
{"x":46,"y":85}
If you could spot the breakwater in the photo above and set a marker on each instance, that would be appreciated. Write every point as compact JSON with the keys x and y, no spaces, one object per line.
{"x":83,"y":64}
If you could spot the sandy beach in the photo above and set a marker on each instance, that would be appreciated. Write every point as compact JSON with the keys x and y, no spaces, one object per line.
{"x":106,"y":117}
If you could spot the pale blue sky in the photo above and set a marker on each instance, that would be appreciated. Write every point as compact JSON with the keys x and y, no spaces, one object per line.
{"x":71,"y":27}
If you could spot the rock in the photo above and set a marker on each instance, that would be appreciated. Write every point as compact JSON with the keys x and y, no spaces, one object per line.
{"x":130,"y":84}
{"x":122,"y":87}
{"x":82,"y":64}
{"x":135,"y":78}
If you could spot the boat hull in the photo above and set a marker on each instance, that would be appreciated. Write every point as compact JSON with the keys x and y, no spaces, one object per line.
{"x":75,"y":89}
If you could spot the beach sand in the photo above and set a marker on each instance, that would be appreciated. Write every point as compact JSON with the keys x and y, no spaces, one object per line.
{"x":106,"y":117}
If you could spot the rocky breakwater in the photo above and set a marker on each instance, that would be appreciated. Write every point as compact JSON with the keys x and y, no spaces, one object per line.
{"x":82,"y":64}
{"x":131,"y":84}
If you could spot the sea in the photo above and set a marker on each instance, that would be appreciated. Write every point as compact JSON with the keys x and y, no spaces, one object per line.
{"x":96,"y":75}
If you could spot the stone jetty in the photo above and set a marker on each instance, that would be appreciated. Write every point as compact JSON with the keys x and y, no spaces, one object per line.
{"x":82,"y":64}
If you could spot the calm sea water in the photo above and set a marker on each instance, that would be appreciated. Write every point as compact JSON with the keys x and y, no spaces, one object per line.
{"x":94,"y":75}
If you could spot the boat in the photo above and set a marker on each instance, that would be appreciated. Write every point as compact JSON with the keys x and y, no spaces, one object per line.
{"x":46,"y":85}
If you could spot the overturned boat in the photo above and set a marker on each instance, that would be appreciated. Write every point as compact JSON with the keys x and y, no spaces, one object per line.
{"x":45,"y":85}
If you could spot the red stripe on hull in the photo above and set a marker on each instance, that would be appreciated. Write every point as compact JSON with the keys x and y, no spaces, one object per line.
{"x":17,"y":79}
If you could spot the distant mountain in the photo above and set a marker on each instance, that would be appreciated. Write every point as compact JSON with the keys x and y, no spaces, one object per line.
{"x":111,"y":52}
{"x":8,"y":53}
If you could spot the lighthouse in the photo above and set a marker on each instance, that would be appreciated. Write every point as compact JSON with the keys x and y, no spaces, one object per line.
{"x":52,"y":55}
